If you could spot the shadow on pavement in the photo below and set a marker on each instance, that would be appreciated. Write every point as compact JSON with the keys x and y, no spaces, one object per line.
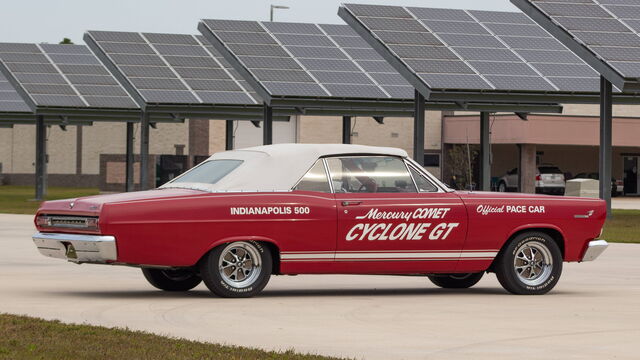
{"x":290,"y":293}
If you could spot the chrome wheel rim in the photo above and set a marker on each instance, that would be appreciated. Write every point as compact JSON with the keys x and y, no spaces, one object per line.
{"x":533,"y":263}
{"x":239,"y":264}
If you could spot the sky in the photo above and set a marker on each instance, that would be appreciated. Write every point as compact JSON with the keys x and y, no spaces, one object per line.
{"x":49,"y":21}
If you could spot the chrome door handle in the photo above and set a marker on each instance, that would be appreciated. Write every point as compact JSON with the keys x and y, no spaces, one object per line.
{"x":351,"y":203}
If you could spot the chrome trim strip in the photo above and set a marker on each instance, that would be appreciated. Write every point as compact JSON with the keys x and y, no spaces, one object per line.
{"x":78,"y":248}
{"x":594,"y":249}
{"x":454,"y":255}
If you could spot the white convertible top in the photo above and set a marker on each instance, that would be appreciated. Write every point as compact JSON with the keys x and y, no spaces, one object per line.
{"x":278,"y":167}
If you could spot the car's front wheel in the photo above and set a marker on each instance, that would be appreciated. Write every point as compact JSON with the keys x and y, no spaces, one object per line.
{"x":456,"y":281}
{"x":172,"y":280}
{"x":237,"y":269}
{"x":530,"y":264}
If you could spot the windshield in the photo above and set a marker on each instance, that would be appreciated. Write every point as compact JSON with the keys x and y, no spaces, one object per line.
{"x":209,"y":172}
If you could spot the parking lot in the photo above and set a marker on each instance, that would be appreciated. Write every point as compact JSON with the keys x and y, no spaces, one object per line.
{"x":592,"y":313}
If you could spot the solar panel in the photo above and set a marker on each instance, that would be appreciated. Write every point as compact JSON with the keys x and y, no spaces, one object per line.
{"x":471,"y":50}
{"x":308,"y":60}
{"x":609,"y":31}
{"x":170,"y":68}
{"x":63,"y":76}
{"x":10,"y":100}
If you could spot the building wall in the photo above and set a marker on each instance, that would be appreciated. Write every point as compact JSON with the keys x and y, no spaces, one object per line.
{"x":594,"y":109}
{"x":17,"y":145}
{"x":7,"y":138}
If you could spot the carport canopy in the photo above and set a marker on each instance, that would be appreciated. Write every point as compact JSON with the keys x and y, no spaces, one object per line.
{"x":320,"y":66}
{"x":58,"y":84}
{"x":606,"y":35}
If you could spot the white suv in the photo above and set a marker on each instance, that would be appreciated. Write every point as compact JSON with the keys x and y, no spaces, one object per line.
{"x":549,"y":180}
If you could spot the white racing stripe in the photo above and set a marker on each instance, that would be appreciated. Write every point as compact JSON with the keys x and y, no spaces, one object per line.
{"x":300,"y":256}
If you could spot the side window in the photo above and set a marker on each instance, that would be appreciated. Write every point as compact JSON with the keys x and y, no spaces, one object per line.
{"x":424,"y":185}
{"x":370,"y":174}
{"x":315,"y":179}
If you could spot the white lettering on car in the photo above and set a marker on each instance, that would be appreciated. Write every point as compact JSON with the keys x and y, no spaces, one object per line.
{"x":510,"y":209}
{"x":270,"y":210}
{"x":405,"y":230}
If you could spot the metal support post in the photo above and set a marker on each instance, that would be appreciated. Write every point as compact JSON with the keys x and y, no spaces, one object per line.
{"x":41,"y":158}
{"x":144,"y":151}
{"x":485,"y":152}
{"x":129,"y":158}
{"x":418,"y":128}
{"x":606,"y":120}
{"x":346,"y":129}
{"x":228,"y":135}
{"x":267,"y":125}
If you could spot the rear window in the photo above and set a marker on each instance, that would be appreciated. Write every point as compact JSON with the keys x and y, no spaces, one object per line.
{"x":549,"y":170}
{"x":209,"y":172}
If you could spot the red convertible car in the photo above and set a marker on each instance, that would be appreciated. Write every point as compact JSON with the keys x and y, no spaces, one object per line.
{"x":243,"y":215}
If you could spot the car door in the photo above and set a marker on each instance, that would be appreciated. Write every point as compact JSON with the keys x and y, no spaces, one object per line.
{"x":310,"y":232}
{"x":392,"y":218}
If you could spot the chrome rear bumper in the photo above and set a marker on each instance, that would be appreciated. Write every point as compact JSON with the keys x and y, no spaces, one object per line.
{"x":78,"y":248}
{"x":594,"y":249}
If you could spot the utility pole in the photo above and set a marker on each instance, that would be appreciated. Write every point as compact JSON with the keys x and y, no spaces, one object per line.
{"x":273,"y":7}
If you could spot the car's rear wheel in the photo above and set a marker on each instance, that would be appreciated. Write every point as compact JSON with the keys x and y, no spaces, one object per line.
{"x":502,"y":187}
{"x":456,"y":281}
{"x":172,"y":280}
{"x":530,"y":264}
{"x":237,"y":269}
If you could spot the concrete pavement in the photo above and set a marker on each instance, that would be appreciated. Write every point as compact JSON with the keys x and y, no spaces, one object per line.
{"x":593,"y":313}
{"x":627,"y":203}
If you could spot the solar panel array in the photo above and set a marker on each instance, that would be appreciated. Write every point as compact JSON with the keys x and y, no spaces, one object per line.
{"x":609,"y":28}
{"x":63,"y":75}
{"x":172,"y":68}
{"x":10,"y":100}
{"x":308,"y":60}
{"x":475,"y":50}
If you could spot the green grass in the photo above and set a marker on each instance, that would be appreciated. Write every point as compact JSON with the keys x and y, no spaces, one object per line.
{"x":29,"y":338}
{"x":623,"y":227}
{"x":18,"y":199}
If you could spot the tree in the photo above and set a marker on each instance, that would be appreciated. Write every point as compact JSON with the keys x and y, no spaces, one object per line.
{"x":66,"y":41}
{"x":460,"y":165}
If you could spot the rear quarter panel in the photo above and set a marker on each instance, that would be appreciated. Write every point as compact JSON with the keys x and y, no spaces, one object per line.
{"x":494,"y":218}
{"x":179,"y":231}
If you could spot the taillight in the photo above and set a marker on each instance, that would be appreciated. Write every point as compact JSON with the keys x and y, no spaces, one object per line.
{"x":68,"y":222}
{"x":538,"y":177}
{"x":93,"y":224}
{"x":43,"y":221}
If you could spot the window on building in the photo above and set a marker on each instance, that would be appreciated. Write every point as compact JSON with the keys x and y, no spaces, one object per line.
{"x":432,"y":160}
{"x":370,"y":174}
{"x":315,"y":179}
